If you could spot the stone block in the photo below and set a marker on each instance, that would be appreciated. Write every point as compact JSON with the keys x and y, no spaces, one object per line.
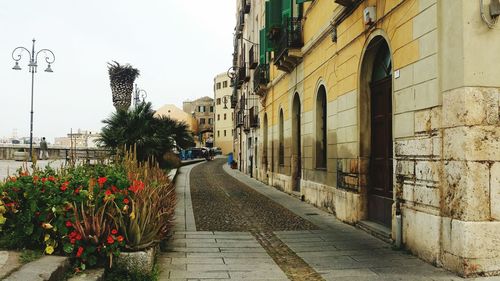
{"x":332,"y":107}
{"x":466,"y":194}
{"x":405,"y":79}
{"x":423,"y":121}
{"x":348,"y":150}
{"x":404,"y":125}
{"x":425,"y":22}
{"x":348,"y":117}
{"x":420,"y":234}
{"x":421,"y":194}
{"x":414,"y":147}
{"x":348,"y":206}
{"x":404,"y":100}
{"x":406,"y":168}
{"x":428,"y":44}
{"x":428,"y":170}
{"x":479,"y":143}
{"x":495,"y":190}
{"x":427,"y":93}
{"x":471,"y":106}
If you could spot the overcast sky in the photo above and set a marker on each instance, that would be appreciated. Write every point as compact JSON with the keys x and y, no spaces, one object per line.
{"x":178,"y":46}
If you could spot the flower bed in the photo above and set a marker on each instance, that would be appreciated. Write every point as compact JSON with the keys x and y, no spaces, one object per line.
{"x":90,"y":213}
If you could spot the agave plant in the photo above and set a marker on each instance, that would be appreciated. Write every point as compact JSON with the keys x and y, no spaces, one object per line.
{"x":121,"y":78}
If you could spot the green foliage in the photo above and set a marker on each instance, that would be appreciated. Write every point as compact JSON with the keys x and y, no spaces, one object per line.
{"x":29,"y":256}
{"x":122,"y":73}
{"x":151,"y":136}
{"x":89,"y":213}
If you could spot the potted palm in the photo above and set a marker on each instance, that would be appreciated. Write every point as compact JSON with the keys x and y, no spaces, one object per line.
{"x":121,"y":78}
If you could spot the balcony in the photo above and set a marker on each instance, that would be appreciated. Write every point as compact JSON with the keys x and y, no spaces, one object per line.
{"x":252,"y":63}
{"x":260,"y":79}
{"x":243,"y":75}
{"x":234,"y":99}
{"x":287,"y":51}
{"x":241,"y":21}
{"x":254,"y":117}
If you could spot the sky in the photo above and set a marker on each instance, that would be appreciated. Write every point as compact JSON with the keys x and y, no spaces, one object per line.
{"x":178,"y":46}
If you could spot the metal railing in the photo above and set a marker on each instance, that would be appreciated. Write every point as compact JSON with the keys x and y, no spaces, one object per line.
{"x":260,"y":77}
{"x":290,"y":37}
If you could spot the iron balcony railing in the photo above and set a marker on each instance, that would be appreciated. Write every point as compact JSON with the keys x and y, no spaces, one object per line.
{"x":252,"y":58}
{"x":260,"y":77}
{"x":290,"y":37}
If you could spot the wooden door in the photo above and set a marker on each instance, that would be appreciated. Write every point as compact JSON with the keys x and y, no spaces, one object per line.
{"x":380,"y":197}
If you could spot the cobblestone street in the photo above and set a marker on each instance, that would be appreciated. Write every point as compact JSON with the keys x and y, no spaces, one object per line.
{"x":232,"y":227}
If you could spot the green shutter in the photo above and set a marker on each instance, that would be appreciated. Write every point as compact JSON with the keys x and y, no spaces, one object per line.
{"x":286,"y":9}
{"x":302,"y":1}
{"x":262,"y":46}
{"x":274,"y":14}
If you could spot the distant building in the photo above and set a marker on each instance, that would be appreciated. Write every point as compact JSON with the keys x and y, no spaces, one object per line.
{"x":178,"y":114}
{"x":223,"y":116}
{"x":202,"y":110}
{"x":79,"y":139}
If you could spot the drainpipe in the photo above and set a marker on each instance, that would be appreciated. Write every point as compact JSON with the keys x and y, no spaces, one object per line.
{"x":399,"y":226}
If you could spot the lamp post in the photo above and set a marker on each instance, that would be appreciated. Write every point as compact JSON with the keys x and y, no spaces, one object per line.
{"x":139,"y":92}
{"x":33,"y":64}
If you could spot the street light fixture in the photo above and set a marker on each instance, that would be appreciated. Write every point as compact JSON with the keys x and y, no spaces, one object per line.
{"x":139,"y":92}
{"x":33,"y":64}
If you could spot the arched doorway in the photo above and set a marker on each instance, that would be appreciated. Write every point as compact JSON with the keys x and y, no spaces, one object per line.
{"x":376,"y":136}
{"x":296,"y":165}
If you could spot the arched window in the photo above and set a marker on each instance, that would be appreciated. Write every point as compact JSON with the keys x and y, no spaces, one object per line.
{"x":321,"y":129}
{"x":281,"y":152}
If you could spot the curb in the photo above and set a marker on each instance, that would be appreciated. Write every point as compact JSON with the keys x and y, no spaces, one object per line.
{"x":47,"y":268}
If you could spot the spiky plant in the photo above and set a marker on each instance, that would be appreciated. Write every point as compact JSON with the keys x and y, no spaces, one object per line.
{"x":121,"y":78}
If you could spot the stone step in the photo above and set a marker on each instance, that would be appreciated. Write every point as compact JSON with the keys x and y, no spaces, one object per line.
{"x":96,"y":274}
{"x":377,"y":230}
{"x":47,"y":268}
{"x":9,"y":262}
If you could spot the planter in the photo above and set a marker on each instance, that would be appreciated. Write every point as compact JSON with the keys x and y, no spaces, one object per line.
{"x":21,"y":155}
{"x":139,"y":261}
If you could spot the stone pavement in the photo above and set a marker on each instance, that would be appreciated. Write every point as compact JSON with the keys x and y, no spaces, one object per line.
{"x":337,"y":251}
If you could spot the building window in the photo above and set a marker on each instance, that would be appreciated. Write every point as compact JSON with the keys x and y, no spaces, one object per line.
{"x":218,"y":117}
{"x":211,"y":108}
{"x":224,"y":116}
{"x":218,"y":133}
{"x":281,"y":152}
{"x":218,"y":85}
{"x":224,"y":84}
{"x":201,"y":108}
{"x":202,"y":121}
{"x":218,"y":101}
{"x":210,"y":121}
{"x":224,"y":132}
{"x":321,"y":153}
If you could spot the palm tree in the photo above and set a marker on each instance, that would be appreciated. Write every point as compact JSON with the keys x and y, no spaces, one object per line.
{"x":121,"y":78}
{"x":152,"y":136}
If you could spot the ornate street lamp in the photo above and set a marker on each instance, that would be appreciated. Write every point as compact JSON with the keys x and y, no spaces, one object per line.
{"x":32,"y":67}
{"x":139,"y":92}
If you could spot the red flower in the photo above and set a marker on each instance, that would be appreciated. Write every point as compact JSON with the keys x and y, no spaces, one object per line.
{"x":69,"y":224}
{"x":119,"y":238}
{"x":114,"y":189}
{"x":72,"y":241}
{"x":77,"y":190}
{"x":63,"y":187}
{"x":101,"y":181}
{"x":44,"y":180}
{"x":125,"y":200}
{"x":114,"y":231}
{"x":136,"y":186}
{"x":79,"y":252}
{"x":111,"y":240}
{"x":108,"y":192}
{"x":35,"y":178}
{"x":52,"y":178}
{"x":78,"y":237}
{"x":73,"y":234}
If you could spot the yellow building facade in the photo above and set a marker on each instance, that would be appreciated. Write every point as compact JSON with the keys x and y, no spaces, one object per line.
{"x":385,"y":113}
{"x":223,"y":115}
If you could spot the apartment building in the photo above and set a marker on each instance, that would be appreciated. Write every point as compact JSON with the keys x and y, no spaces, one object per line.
{"x":223,"y":115}
{"x":384,"y":112}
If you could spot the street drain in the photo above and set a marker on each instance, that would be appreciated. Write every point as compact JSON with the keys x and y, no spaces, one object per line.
{"x":312,"y":214}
